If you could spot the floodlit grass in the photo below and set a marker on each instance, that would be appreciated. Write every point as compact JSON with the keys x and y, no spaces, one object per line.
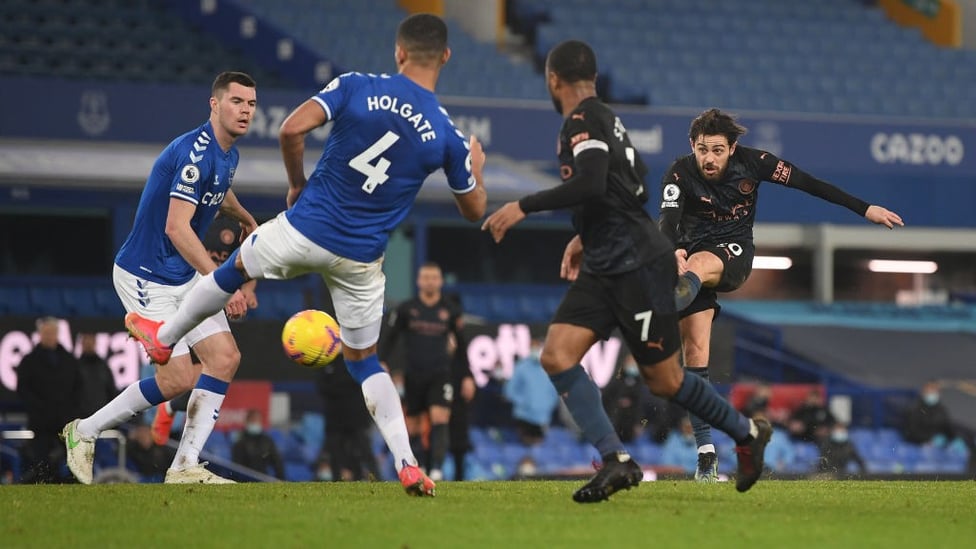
{"x":491,"y":514}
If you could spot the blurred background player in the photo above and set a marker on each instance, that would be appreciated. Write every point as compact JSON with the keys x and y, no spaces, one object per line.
{"x":623,"y":276}
{"x":430,"y":326}
{"x":162,"y":258}
{"x":338,"y":223}
{"x":708,"y":207}
{"x":256,"y":449}
{"x":223,"y":237}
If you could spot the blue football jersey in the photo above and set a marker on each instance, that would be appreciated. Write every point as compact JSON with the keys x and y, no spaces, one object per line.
{"x":389,"y":135}
{"x":194,"y":168}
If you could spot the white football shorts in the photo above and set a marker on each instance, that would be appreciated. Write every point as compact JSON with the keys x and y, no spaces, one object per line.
{"x":277,"y":251}
{"x":159,"y":301}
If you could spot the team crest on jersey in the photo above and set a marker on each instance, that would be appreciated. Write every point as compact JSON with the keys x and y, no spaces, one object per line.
{"x":746,"y":186}
{"x":443,"y":314}
{"x":190,"y":174}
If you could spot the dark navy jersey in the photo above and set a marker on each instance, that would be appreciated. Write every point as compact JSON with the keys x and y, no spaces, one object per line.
{"x":389,"y":135}
{"x":192,"y":168}
{"x":617,"y":233}
{"x":426,"y":329}
{"x":714,"y":213}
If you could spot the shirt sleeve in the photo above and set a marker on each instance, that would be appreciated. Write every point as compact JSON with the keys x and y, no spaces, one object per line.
{"x":775,"y":170}
{"x":672,"y":204}
{"x":591,"y":160}
{"x":332,"y":98}
{"x":457,"y":160}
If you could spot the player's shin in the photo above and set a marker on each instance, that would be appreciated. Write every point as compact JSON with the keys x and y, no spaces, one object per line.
{"x":703,"y":432}
{"x":383,"y":403}
{"x":582,"y":397}
{"x":202,"y":412}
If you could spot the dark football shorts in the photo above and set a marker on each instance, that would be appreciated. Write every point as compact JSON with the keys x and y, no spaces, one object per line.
{"x":737,"y":259}
{"x":640,"y":303}
{"x":425,"y":389}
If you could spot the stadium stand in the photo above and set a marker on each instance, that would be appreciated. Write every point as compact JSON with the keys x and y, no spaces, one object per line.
{"x":336,"y":30}
{"x":759,"y":55}
{"x":115,"y":40}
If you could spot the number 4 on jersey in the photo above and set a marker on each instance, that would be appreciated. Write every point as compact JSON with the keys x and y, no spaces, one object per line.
{"x":375,"y":173}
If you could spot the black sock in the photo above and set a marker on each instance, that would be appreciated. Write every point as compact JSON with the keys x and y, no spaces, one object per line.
{"x":582,"y":397}
{"x":703,"y":432}
{"x":700,"y":398}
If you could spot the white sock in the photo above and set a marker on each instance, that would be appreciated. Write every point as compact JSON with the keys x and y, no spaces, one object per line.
{"x":383,"y":403}
{"x":201,"y":416}
{"x":203,"y":300}
{"x":122,"y":408}
{"x":706,"y":449}
{"x":169,"y":407}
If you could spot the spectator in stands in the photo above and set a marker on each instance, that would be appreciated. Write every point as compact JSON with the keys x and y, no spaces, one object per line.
{"x":255,"y":449}
{"x":837,"y":451}
{"x":811,"y":422}
{"x":927,"y":420}
{"x":97,"y":382}
{"x":347,"y":449}
{"x":623,"y":399}
{"x":48,"y":382}
{"x":758,"y":403}
{"x":532,"y":395}
{"x":708,"y":207}
{"x":430,"y":325}
{"x":663,"y":417}
{"x":780,"y":452}
{"x":145,"y":456}
{"x":680,"y":449}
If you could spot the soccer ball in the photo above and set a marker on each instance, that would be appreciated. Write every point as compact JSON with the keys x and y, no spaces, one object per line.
{"x":311,"y":338}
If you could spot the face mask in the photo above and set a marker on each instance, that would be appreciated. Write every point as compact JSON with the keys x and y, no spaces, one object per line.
{"x":253,"y":428}
{"x":838,"y":436}
{"x":631,"y":370}
{"x":931,"y":398}
{"x":325,"y":475}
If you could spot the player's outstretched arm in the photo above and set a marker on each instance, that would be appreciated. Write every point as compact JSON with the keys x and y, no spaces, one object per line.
{"x":473,"y":203}
{"x":883,"y":216}
{"x":291,"y":139}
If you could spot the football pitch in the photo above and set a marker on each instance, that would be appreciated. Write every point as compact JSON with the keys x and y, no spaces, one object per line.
{"x":491,"y":514}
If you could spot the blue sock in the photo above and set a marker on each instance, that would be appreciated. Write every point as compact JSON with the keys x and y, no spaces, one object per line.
{"x":582,"y":397}
{"x":703,"y":432}
{"x":360,"y":370}
{"x":700,"y":398}
{"x":687,"y":289}
{"x":150,"y":391}
{"x":212,"y":384}
{"x":227,"y":276}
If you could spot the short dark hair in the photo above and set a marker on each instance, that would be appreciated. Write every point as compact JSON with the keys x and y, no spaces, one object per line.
{"x":423,"y":36}
{"x":430,"y":265}
{"x":572,"y":61}
{"x":716,"y":122}
{"x":224,"y":80}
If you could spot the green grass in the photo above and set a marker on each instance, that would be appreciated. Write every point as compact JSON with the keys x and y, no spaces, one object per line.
{"x":505,"y":515}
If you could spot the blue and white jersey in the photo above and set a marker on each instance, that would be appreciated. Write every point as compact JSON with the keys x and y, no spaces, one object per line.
{"x":193,"y":168}
{"x":389,"y":135}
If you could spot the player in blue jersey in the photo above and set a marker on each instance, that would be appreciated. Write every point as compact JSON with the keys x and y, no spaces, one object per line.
{"x":389,"y":134}
{"x":162,"y":258}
